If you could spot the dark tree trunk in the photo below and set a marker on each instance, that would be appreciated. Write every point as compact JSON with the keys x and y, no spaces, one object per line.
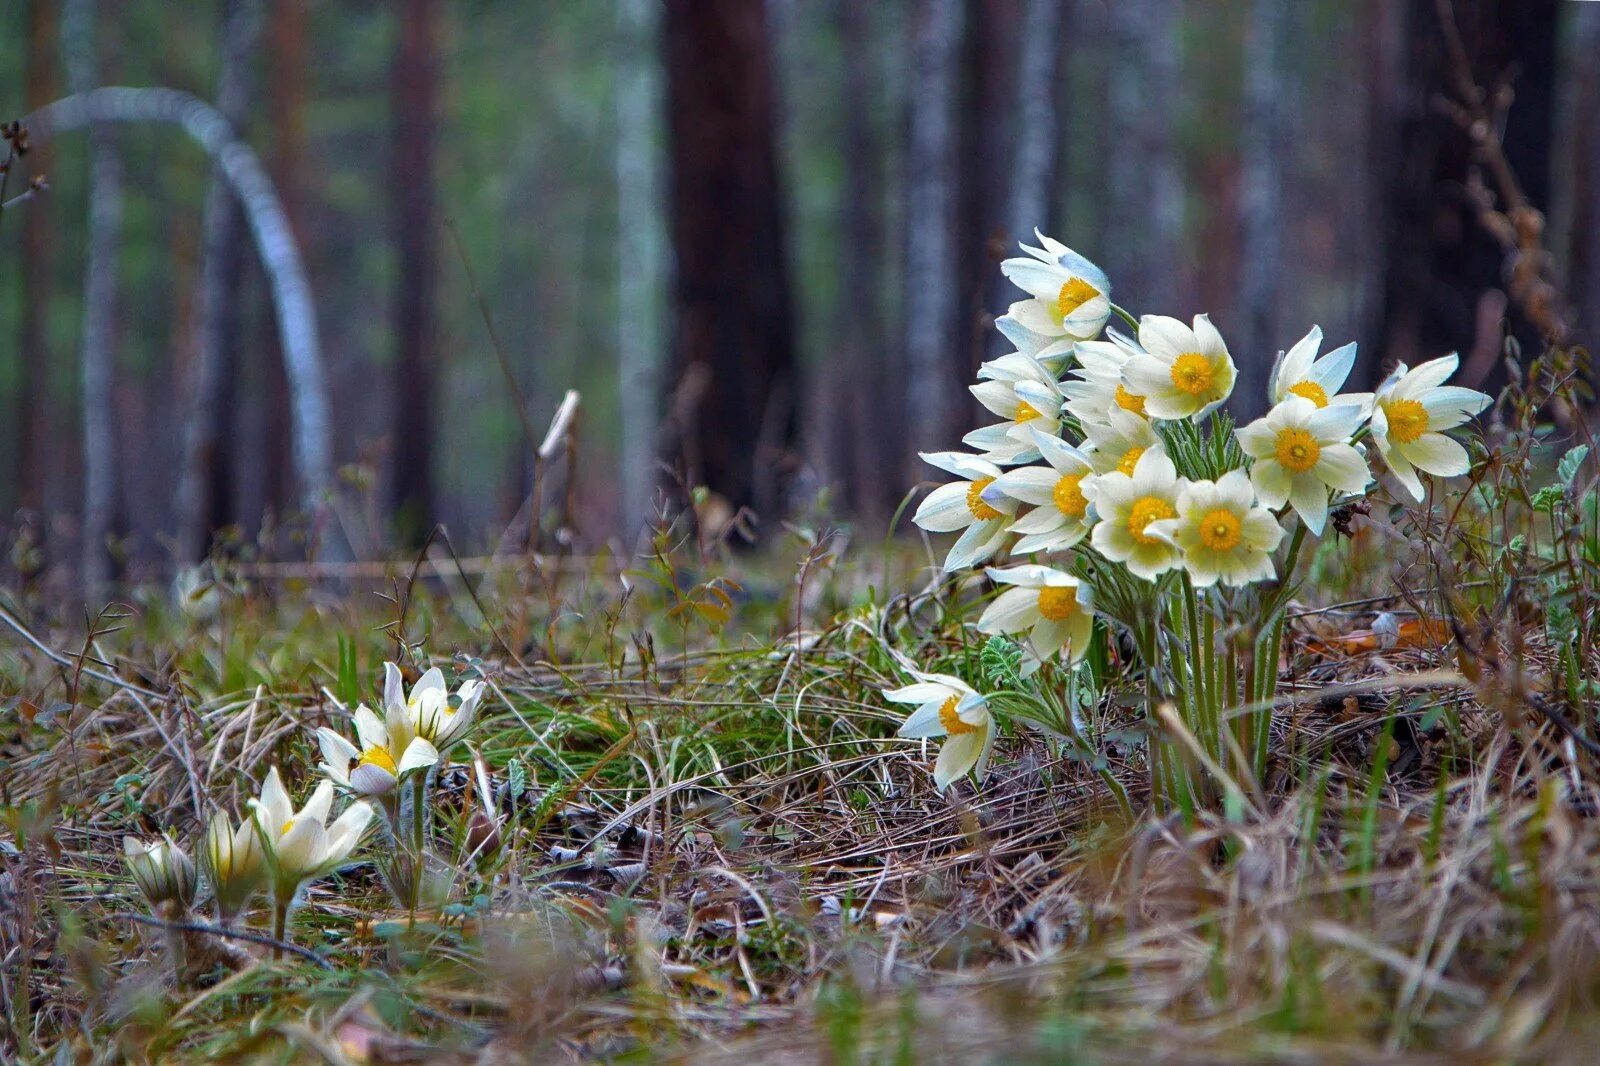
{"x":732,"y":344}
{"x":414,"y":101}
{"x":32,"y":429}
{"x":1584,"y":241}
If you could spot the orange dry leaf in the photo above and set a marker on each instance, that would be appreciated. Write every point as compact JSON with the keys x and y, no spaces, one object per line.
{"x":1412,"y":633}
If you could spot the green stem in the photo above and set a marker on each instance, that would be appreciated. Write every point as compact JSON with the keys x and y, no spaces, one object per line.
{"x":1126,"y":316}
{"x":280,"y":923}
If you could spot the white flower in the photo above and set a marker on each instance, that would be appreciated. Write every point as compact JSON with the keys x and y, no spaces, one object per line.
{"x":1053,"y":353}
{"x":1182,"y":372}
{"x":1301,"y":452}
{"x":390,"y":749}
{"x":960,"y":505}
{"x":1060,"y":516}
{"x":437,"y":717}
{"x":1127,"y":505}
{"x":300,"y":845}
{"x":1410,"y":412}
{"x":1020,"y":390}
{"x":1051,"y":606}
{"x":1298,"y":372}
{"x":1225,"y":535}
{"x":1118,"y":443}
{"x":947,"y":707}
{"x":1071,"y":296}
{"x":233,"y":863}
{"x":162,"y":870}
{"x":1096,"y":385}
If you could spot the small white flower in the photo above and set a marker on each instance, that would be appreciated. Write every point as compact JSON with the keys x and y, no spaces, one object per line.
{"x":960,"y":505}
{"x":1020,"y":390}
{"x":162,"y":870}
{"x":1182,"y":372}
{"x":233,"y":863}
{"x":390,"y":749}
{"x":435,"y":715}
{"x":1224,"y":534}
{"x":1071,"y":296}
{"x":1096,"y":384}
{"x":1301,"y":452}
{"x":1053,"y":353}
{"x":1060,"y":517}
{"x":300,"y":845}
{"x":1052,"y":607}
{"x":1119,"y":442}
{"x":1410,"y":413}
{"x":1298,"y":372}
{"x":948,"y":707}
{"x":1128,"y":505}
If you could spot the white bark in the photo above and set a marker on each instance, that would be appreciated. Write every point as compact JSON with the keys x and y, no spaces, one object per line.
{"x":640,"y":249}
{"x":280,"y":255}
{"x":930,"y":300}
{"x":1264,"y":144}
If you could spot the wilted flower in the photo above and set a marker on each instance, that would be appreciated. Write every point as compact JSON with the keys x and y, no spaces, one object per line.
{"x":1128,"y":505}
{"x":1060,"y":515}
{"x":1052,"y":607}
{"x":1071,"y":296}
{"x":300,"y":845}
{"x":1301,"y":452}
{"x":948,"y":707}
{"x":1224,"y":534}
{"x":162,"y":870}
{"x":1096,"y":383}
{"x":232,"y":860}
{"x":960,"y":505}
{"x":390,"y":749}
{"x":1182,"y":372}
{"x":1298,"y":372}
{"x":1020,"y":390}
{"x":1411,"y":410}
{"x":1117,"y":443}
{"x":439,"y":718}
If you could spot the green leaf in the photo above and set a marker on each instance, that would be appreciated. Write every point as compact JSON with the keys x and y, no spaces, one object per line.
{"x":1002,"y":662}
{"x":1567,"y":469}
{"x":1547,"y":498}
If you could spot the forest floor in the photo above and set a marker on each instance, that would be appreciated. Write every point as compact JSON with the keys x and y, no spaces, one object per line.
{"x":716,"y":849}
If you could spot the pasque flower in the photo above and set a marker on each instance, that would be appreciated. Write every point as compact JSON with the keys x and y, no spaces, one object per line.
{"x":1051,"y":606}
{"x":948,"y":707}
{"x":1117,"y":443}
{"x":1301,"y":452}
{"x":389,"y":750}
{"x":1021,"y":391}
{"x":162,"y":870}
{"x":1060,"y":517}
{"x":1299,"y":372}
{"x":1412,"y":409}
{"x":299,"y":844}
{"x":1071,"y":297}
{"x":233,"y":863}
{"x":961,"y":505}
{"x":1223,"y":533}
{"x":1183,"y":372}
{"x":1128,"y":505}
{"x":437,"y":716}
{"x":1095,"y":386}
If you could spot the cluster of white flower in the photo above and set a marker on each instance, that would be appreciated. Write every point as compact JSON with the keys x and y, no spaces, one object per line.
{"x":1028,"y":489}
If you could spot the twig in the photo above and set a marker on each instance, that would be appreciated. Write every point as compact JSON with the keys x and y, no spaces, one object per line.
{"x":217,"y":930}
{"x":73,"y":663}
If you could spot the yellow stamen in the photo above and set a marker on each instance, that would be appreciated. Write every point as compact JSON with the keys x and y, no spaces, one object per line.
{"x":379,"y":756}
{"x":1408,"y":419}
{"x":1298,"y":451}
{"x":975,"y":504}
{"x":1145,"y":510}
{"x":1068,"y":496}
{"x":1057,"y":604}
{"x":951,"y":721}
{"x":1073,"y":295}
{"x":1192,"y":373}
{"x":1130,"y":459}
{"x":286,"y":827}
{"x":1311,"y":391}
{"x":1129,"y":402}
{"x":1219,"y":530}
{"x":1025,"y":411}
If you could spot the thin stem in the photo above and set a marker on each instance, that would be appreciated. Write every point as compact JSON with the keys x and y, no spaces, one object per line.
{"x":1126,"y":316}
{"x":280,"y":924}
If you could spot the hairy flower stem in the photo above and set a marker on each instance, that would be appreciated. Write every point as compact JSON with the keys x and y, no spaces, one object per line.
{"x":280,"y":923}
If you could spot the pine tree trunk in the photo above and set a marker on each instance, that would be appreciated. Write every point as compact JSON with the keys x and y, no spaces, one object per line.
{"x":33,"y":443}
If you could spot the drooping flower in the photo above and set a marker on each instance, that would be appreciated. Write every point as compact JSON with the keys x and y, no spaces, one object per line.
{"x":1410,"y":412}
{"x":1224,"y":534}
{"x":1128,"y":505}
{"x":1301,"y":452}
{"x":948,"y":707}
{"x":162,"y":870}
{"x":1051,"y":606}
{"x":1071,"y":297}
{"x":1021,"y":391}
{"x":1096,"y":387}
{"x":390,"y":749}
{"x":1060,"y":517}
{"x":960,"y":505}
{"x":1183,"y":372}
{"x":1118,"y":443}
{"x":1299,"y":372}
{"x":299,"y":845}
{"x":1053,"y":353}
{"x":232,"y":860}
{"x":438,"y":717}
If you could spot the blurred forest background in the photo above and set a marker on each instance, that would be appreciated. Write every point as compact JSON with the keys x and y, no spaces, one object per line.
{"x":760,"y":237}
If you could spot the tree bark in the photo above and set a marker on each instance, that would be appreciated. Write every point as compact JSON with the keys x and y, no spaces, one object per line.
{"x":202,"y":488}
{"x":1034,"y":142}
{"x":100,"y":299}
{"x":33,"y":342}
{"x":1584,"y":240}
{"x":733,"y":344}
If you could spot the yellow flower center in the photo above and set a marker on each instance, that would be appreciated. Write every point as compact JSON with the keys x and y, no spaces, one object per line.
{"x":1298,"y":451}
{"x":975,"y":504}
{"x":1145,"y":510}
{"x":379,"y":756}
{"x":951,"y":721}
{"x":1408,"y":419}
{"x":1073,"y":295}
{"x":1192,"y":373}
{"x":1130,"y":459}
{"x":1219,"y":530}
{"x":1068,"y":496}
{"x":1024,"y":412}
{"x":1129,"y":402}
{"x":1311,"y":391}
{"x":286,"y":827}
{"x":1057,"y":604}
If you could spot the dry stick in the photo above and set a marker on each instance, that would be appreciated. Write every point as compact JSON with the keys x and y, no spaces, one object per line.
{"x":71,"y":662}
{"x":217,"y":930}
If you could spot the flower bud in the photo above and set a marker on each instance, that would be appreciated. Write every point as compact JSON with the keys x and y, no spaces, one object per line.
{"x":162,"y":870}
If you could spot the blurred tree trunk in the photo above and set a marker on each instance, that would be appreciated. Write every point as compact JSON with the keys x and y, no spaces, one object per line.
{"x":639,"y":256}
{"x":733,"y":344}
{"x":931,"y":274}
{"x":32,"y":428}
{"x":414,"y":79}
{"x":203,"y":490}
{"x":1034,"y":143}
{"x":1584,"y":250}
{"x":1264,"y":148}
{"x":1444,"y":276}
{"x":1144,"y":173}
{"x":986,"y":102}
{"x":100,"y":299}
